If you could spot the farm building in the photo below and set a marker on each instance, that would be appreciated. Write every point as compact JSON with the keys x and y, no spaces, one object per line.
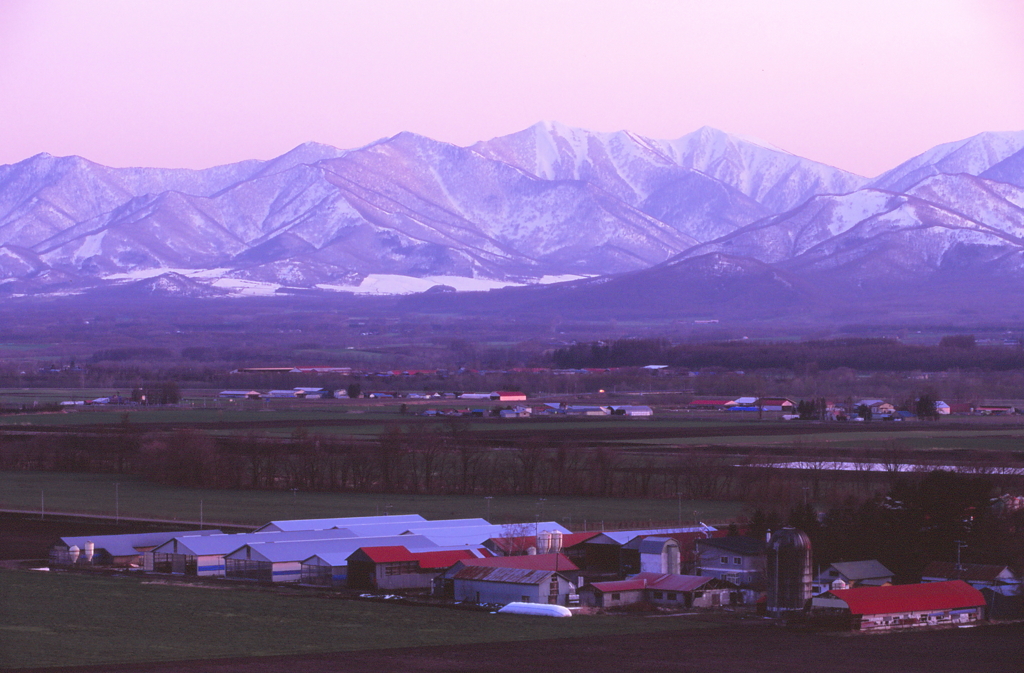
{"x":496,"y":585}
{"x":736,"y":559}
{"x":903,"y":606}
{"x":583,"y":410}
{"x":113,"y":550}
{"x":239,"y":395}
{"x":283,"y":561}
{"x":508,"y":396}
{"x":783,"y":404}
{"x":637,"y":410}
{"x":997,"y":578}
{"x":395,"y":568}
{"x":444,"y":584}
{"x":742,"y":403}
{"x":478,"y":534}
{"x":852,"y":574}
{"x":669,"y":590}
{"x":517,"y":545}
{"x":653,"y":553}
{"x":204,"y":555}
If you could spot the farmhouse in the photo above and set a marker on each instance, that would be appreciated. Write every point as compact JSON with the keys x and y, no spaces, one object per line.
{"x":850,"y":575}
{"x":999,"y":579}
{"x":735,"y":559}
{"x":904,"y":606}
{"x":668,"y":590}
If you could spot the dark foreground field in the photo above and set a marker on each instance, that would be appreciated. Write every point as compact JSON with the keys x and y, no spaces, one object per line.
{"x":762,"y":648}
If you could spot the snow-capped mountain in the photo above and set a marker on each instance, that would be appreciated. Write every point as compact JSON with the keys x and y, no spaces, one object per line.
{"x":973,"y":156}
{"x":544,"y":203}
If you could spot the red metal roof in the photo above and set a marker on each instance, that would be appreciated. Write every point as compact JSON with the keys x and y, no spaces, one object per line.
{"x":442,"y":559}
{"x":426,"y":559}
{"x":530,"y":562}
{"x":910,"y":597}
{"x":621,"y":585}
{"x":388,"y":554}
{"x":521,"y":543}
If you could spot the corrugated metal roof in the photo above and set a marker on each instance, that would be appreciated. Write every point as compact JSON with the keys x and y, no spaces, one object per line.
{"x":338,"y":559}
{"x":862,"y":570}
{"x":625,"y":536}
{"x":283,"y":552}
{"x":218,"y":545}
{"x":476,"y":535}
{"x":317,"y":524}
{"x":506,"y":575}
{"x":128,"y":544}
{"x":620,"y":585}
{"x":525,"y":541}
{"x":655,"y":544}
{"x":667,"y":582}
{"x":529,"y":562}
{"x":910,"y":597}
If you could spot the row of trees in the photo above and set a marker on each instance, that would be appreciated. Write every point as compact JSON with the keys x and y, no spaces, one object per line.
{"x":423,"y":459}
{"x":956,"y":352}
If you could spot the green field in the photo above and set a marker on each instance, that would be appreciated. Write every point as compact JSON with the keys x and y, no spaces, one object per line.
{"x":133,"y":497}
{"x":59,"y":619}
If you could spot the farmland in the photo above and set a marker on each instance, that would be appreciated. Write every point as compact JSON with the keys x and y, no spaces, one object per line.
{"x":66,"y":620}
{"x":57,"y":619}
{"x":136,"y":498}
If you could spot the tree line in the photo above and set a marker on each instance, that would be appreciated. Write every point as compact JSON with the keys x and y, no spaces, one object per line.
{"x":865,"y":354}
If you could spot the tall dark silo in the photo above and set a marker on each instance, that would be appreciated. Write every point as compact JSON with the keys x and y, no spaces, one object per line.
{"x":788,"y":571}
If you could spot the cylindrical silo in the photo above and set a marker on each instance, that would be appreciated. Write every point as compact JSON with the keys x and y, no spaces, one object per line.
{"x":788,"y":570}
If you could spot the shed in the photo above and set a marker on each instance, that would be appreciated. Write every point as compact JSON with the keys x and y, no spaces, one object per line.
{"x":498,"y":585}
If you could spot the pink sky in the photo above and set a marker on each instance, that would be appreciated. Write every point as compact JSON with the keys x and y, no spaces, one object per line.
{"x":859,"y":84}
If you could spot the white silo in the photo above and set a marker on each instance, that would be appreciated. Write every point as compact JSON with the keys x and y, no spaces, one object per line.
{"x":73,"y":552}
{"x":556,"y":541}
{"x":90,"y":549}
{"x":544,"y":542}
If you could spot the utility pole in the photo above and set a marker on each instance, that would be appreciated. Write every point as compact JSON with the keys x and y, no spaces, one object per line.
{"x":117,"y":503}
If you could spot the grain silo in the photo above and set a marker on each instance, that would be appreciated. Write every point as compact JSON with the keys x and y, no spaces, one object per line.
{"x":788,"y":570}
